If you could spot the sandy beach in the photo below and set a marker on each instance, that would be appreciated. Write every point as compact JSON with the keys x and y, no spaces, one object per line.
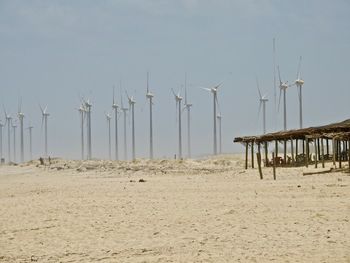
{"x":209,"y":210}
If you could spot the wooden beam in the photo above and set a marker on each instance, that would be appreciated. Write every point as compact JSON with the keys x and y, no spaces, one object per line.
{"x":318,"y":149}
{"x":327,"y":147}
{"x":292,"y":150}
{"x":246,"y":155}
{"x":296,"y":149}
{"x":266,"y":154}
{"x":252,"y":153}
{"x":274,"y":165}
{"x":339,"y":153}
{"x":258,"y":158}
{"x":315,"y":144}
{"x":307,"y":152}
{"x":285,"y":152}
{"x":322,"y":151}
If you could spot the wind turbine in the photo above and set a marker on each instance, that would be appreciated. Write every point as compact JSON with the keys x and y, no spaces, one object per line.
{"x":1,"y":126}
{"x":219,"y":119}
{"x":14,"y":126}
{"x":8,"y":122}
{"x":299,"y":82}
{"x":20,"y":115}
{"x":214,"y":91}
{"x":108,"y":118}
{"x":150,"y":96}
{"x":115,"y":107}
{"x":124,"y":109}
{"x":132,"y":103}
{"x":88,"y":106}
{"x":188,"y":108}
{"x":82,"y":112}
{"x":262,"y":103}
{"x":178,"y":100}
{"x":30,"y":128}
{"x":44,"y":117}
{"x":283,"y":88}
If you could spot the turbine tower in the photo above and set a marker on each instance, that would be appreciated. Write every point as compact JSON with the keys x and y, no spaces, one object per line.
{"x":299,"y":82}
{"x":88,"y":106}
{"x":262,"y":103}
{"x":44,"y":117}
{"x":283,"y":88}
{"x":21,"y":127}
{"x":30,"y":128}
{"x":150,"y":96}
{"x":14,"y":126}
{"x":8,"y":122}
{"x":219,"y":118}
{"x":108,"y":118}
{"x":124,"y":109}
{"x":82,"y":112}
{"x":115,"y":107}
{"x":214,"y":91}
{"x":178,"y":100}
{"x":188,"y":108}
{"x":1,"y":126}
{"x":132,"y":103}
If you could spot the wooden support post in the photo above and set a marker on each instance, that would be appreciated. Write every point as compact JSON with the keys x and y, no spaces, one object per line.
{"x":322,"y":151}
{"x":266,"y":154}
{"x":339,"y":153}
{"x":334,"y":151}
{"x":285,"y":152}
{"x":327,"y":147}
{"x":303,"y":147}
{"x":292,"y":150}
{"x":274,"y":166}
{"x":246,"y":155}
{"x":276,"y":152}
{"x":307,"y":152}
{"x":252,"y":153}
{"x":296,"y":150}
{"x":258,"y":158}
{"x":315,"y":144}
{"x":349,"y":154}
{"x":318,"y":149}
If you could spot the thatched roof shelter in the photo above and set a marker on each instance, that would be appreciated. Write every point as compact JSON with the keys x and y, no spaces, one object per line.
{"x":339,"y":131}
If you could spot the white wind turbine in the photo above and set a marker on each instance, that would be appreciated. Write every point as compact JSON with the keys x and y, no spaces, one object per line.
{"x":124,"y":110}
{"x":8,"y":122}
{"x":188,"y":108}
{"x":14,"y":127}
{"x":214,"y":91}
{"x":108,"y":118}
{"x":299,"y":82}
{"x":82,"y":112}
{"x":20,"y":115}
{"x":132,"y":103}
{"x":178,"y":100}
{"x":115,"y":107}
{"x":262,"y":103}
{"x":219,"y":119}
{"x":150,"y":96}
{"x":88,"y":105}
{"x":283,"y":88}
{"x":1,"y":127}
{"x":30,"y":128}
{"x":44,"y":118}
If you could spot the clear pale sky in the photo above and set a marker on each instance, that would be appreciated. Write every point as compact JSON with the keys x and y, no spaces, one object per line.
{"x":52,"y":51}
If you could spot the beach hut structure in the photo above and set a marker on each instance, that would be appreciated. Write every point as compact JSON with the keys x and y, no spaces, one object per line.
{"x":301,"y":147}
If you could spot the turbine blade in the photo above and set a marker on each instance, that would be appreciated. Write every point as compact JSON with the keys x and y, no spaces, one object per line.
{"x":279,"y":75}
{"x":279,"y":100}
{"x":172,"y":90}
{"x":113,"y":94}
{"x":147,"y":82}
{"x":257,"y":85}
{"x":260,"y":104}
{"x":205,"y":89}
{"x":299,"y":66}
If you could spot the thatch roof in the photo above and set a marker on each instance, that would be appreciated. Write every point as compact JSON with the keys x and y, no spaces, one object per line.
{"x":339,"y":130}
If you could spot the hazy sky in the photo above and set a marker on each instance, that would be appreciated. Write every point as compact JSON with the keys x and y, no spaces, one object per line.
{"x":53,"y":52}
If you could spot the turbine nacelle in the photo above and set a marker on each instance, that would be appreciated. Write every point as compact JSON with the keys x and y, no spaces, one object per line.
{"x":299,"y":82}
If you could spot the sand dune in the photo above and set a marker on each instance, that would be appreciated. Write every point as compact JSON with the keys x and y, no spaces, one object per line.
{"x":209,"y":210}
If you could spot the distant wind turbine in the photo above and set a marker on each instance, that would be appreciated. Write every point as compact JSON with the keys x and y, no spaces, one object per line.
{"x":150,"y":96}
{"x":178,"y":100}
{"x":214,"y":91}
{"x":283,"y":88}
{"x":44,"y":118}
{"x":262,"y":103}
{"x":8,"y":122}
{"x":188,"y":108}
{"x":108,"y":118}
{"x":88,"y":106}
{"x":132,"y":103}
{"x":82,"y":112}
{"x":115,"y":107}
{"x":30,"y":128}
{"x":20,"y":115}
{"x":299,"y":82}
{"x":14,"y":126}
{"x":124,"y":109}
{"x":1,"y":127}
